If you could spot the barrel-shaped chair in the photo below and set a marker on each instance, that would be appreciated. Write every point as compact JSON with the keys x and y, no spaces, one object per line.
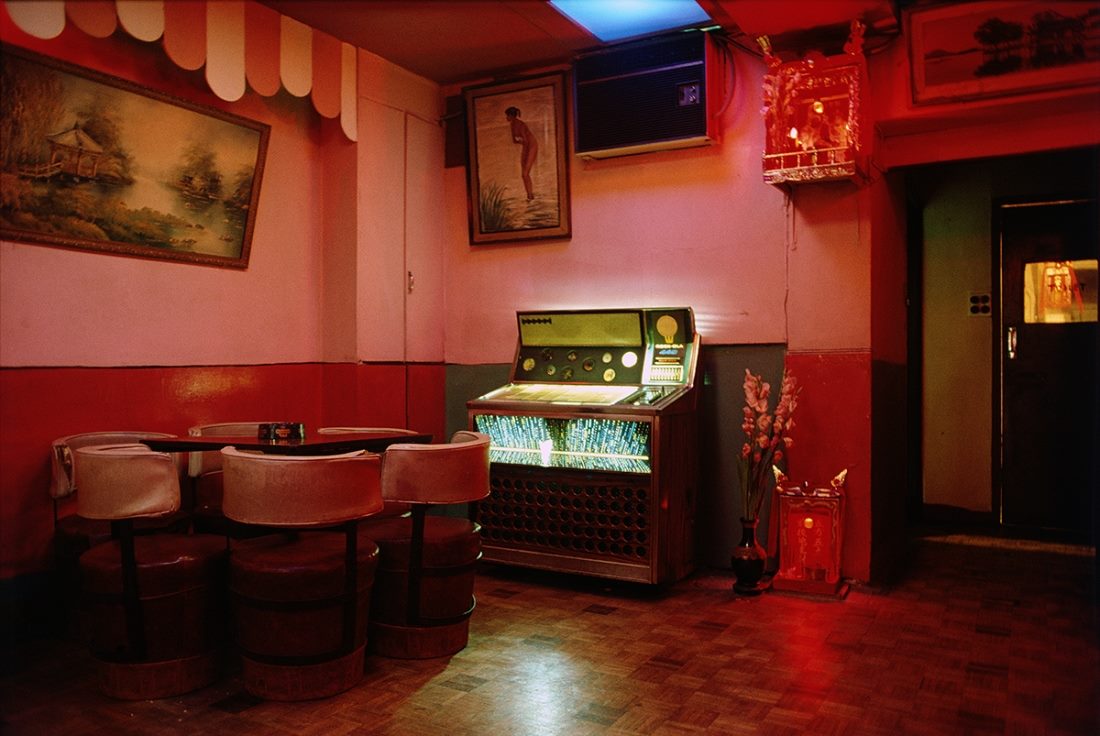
{"x":73,"y":534}
{"x":301,"y":597}
{"x":154,"y":605}
{"x":423,"y":594}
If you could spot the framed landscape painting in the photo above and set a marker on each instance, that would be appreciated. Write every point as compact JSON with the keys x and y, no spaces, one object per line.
{"x":93,"y":162}
{"x":972,"y":50}
{"x":518,"y":168}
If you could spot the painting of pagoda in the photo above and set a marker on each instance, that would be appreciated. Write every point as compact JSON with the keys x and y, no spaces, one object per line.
{"x":81,"y":166}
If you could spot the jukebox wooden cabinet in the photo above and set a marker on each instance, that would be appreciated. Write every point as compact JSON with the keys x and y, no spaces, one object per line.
{"x":593,"y":451}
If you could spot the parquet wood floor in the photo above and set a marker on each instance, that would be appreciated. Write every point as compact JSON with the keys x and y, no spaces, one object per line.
{"x":975,"y":640}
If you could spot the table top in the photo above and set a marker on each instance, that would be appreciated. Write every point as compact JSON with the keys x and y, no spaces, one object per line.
{"x":313,"y":444}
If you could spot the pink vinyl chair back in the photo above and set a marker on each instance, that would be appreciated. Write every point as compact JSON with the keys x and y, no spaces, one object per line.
{"x":62,"y":467}
{"x":449,"y":473}
{"x":126,"y":482}
{"x":300,"y":491}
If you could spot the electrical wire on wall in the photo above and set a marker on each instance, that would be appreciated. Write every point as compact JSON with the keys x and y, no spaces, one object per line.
{"x":723,"y":44}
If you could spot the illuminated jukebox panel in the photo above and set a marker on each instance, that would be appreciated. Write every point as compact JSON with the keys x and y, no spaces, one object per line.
{"x":593,"y":445}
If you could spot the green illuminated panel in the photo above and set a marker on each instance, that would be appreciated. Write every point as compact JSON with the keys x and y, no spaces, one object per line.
{"x":582,"y":443}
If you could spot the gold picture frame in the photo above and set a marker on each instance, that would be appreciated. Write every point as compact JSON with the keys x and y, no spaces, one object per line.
{"x":518,"y":170}
{"x":93,"y":162}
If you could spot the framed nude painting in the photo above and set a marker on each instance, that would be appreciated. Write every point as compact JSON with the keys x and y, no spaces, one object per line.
{"x":518,"y":166}
{"x":96,"y":163}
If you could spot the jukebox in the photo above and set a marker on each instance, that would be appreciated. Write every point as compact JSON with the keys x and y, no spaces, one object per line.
{"x":593,"y":445}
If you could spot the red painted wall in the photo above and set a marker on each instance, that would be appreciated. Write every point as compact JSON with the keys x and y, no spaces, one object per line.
{"x":833,"y":432}
{"x":38,"y":405}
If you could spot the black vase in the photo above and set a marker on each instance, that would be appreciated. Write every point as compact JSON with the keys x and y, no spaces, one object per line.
{"x":748,"y":561}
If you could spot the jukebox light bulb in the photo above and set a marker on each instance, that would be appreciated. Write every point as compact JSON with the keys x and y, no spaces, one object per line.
{"x":667,"y":326}
{"x":819,"y":107}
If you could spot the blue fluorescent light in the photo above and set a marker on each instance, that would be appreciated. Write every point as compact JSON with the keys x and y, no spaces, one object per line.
{"x":611,"y":20}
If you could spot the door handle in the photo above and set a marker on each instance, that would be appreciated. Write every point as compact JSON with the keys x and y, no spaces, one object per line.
{"x":1010,"y":343}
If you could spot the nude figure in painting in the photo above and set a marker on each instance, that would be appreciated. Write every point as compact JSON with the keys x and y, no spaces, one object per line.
{"x":529,"y":150}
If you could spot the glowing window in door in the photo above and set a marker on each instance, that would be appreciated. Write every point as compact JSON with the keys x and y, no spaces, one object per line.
{"x":1060,"y":291}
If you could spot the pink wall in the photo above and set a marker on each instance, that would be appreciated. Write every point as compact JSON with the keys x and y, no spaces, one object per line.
{"x":63,"y":307}
{"x":695,"y":227}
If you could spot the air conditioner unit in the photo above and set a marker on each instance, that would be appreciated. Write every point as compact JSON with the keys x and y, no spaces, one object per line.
{"x":647,"y":95}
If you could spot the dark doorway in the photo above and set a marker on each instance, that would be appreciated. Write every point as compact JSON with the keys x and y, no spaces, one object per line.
{"x":960,"y":311}
{"x":1047,"y":364}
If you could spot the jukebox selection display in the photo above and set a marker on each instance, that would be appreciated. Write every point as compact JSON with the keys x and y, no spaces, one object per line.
{"x":593,"y":445}
{"x":583,"y":443}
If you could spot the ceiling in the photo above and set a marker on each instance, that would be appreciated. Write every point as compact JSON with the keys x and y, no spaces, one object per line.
{"x":455,"y":41}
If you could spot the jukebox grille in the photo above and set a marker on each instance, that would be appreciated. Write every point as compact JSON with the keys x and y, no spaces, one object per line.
{"x":607,"y":517}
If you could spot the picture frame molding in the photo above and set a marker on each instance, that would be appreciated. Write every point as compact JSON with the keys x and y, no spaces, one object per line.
{"x":927,"y":92}
{"x":561,"y":229}
{"x":136,"y":249}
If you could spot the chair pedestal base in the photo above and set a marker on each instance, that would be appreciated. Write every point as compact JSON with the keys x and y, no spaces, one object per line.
{"x":418,"y":642}
{"x":302,"y":682}
{"x":155,"y":680}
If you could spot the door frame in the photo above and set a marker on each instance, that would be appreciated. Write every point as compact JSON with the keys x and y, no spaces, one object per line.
{"x":998,"y":205}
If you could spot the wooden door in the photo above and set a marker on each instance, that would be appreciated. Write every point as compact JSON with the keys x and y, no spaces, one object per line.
{"x":1047,"y":361}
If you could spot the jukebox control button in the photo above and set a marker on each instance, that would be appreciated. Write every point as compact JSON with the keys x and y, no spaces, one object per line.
{"x":551,"y":370}
{"x":547,"y":354}
{"x":609,"y":375}
{"x":567,"y":373}
{"x":588,"y":364}
{"x":607,"y":357}
{"x":630,"y":359}
{"x":571,"y":356}
{"x":528,"y":364}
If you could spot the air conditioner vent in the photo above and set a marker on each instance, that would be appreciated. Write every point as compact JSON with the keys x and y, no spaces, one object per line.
{"x":647,"y":95}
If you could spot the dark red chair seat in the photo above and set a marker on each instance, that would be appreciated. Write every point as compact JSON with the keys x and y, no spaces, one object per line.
{"x":288,"y":590}
{"x":451,"y":549}
{"x":180,"y":581}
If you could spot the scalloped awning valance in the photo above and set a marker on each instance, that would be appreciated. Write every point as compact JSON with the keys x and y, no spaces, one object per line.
{"x":239,"y":42}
